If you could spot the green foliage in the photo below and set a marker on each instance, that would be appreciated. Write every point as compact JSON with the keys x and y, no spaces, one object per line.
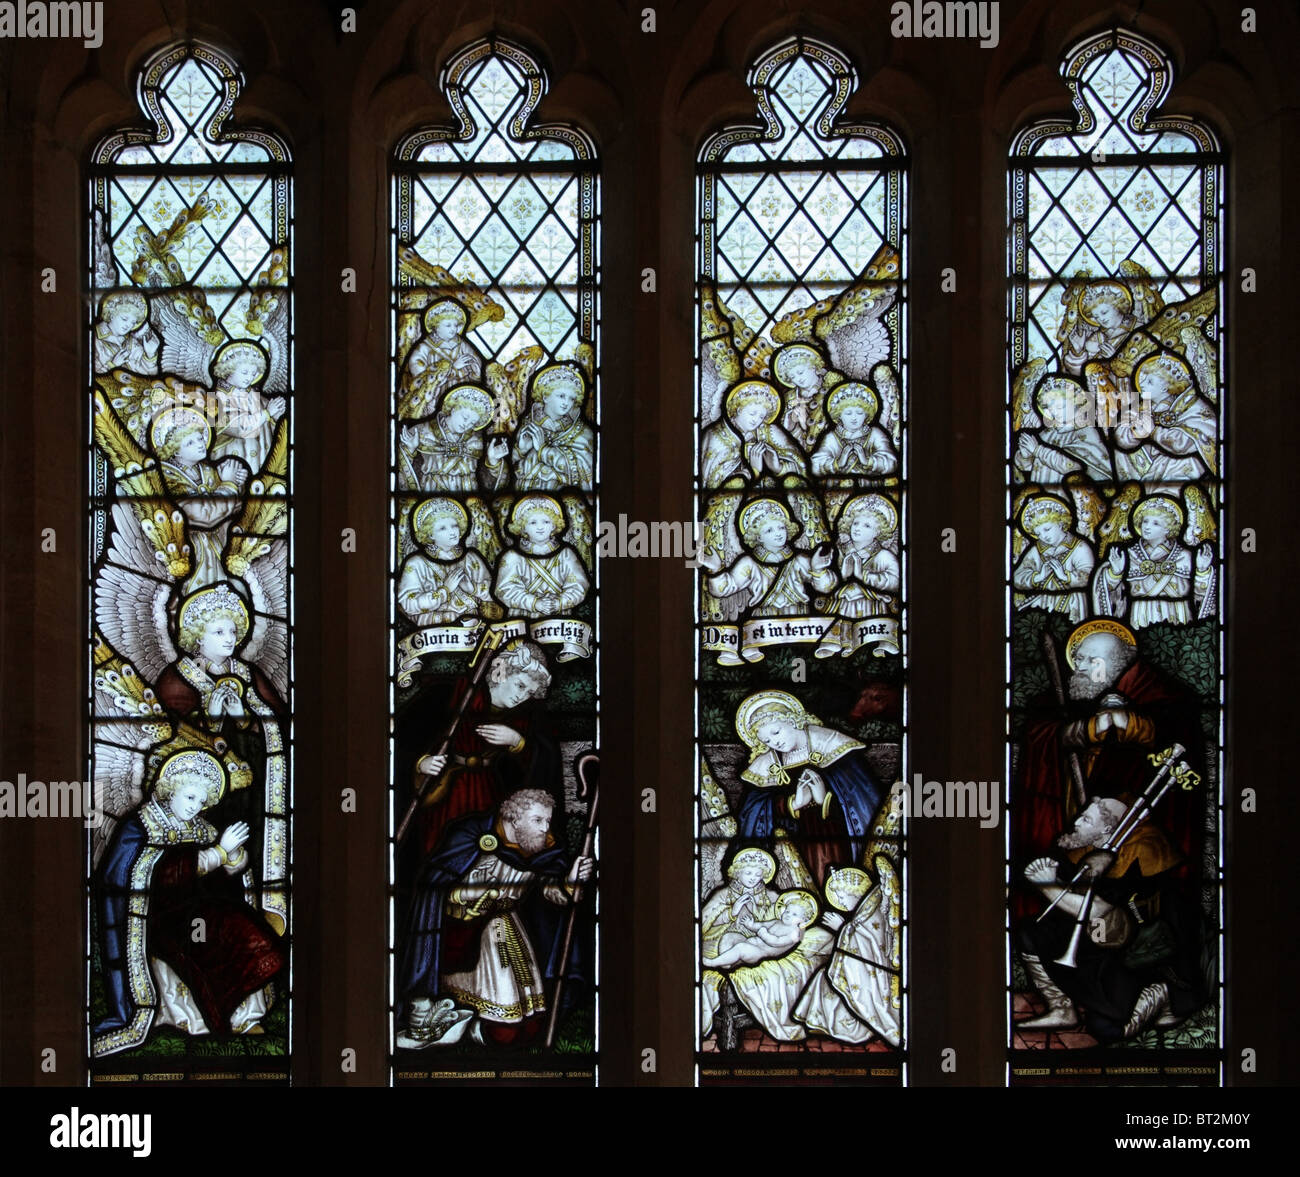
{"x":1199,"y":1032}
{"x":715,"y":723}
{"x":1031,"y":678}
{"x":576,"y":693}
{"x":1187,"y":653}
{"x":575,"y":1033}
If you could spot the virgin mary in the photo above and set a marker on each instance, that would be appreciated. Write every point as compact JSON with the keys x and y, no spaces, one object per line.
{"x":806,"y":782}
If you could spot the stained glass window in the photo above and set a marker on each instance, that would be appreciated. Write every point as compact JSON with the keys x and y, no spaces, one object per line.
{"x":493,"y":610}
{"x":190,"y":365}
{"x":1115,"y":500}
{"x":800,"y":486}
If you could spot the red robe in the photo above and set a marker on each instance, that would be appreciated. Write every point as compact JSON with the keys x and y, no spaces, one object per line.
{"x":480,"y":775}
{"x":1115,"y":764}
{"x":240,"y":952}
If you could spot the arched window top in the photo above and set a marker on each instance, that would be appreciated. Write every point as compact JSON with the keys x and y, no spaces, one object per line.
{"x":188,"y":91}
{"x":801,"y":86}
{"x":494,"y":87}
{"x":1117,"y":81}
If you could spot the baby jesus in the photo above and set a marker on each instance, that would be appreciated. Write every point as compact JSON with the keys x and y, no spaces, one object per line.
{"x":758,"y":940}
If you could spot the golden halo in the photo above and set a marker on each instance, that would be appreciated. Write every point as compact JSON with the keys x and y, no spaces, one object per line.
{"x":853,"y":393}
{"x":755,"y":855}
{"x":792,"y":353}
{"x":1097,"y":625}
{"x":875,"y":504}
{"x":765,"y":703}
{"x":754,"y":392}
{"x":532,"y":503}
{"x":191,"y":765}
{"x":469,"y":396}
{"x":429,"y":510}
{"x":1092,"y":292}
{"x":849,"y":881}
{"x":169,"y":421}
{"x":790,"y":897}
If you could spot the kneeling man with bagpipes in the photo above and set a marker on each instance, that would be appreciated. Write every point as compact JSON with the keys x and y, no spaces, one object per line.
{"x":1120,"y":937}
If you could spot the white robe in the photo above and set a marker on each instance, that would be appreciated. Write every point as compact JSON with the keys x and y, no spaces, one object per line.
{"x":523,"y":578}
{"x":870,"y":451}
{"x":459,"y":588}
{"x":1052,"y":592}
{"x":1181,"y":446}
{"x":506,"y":984}
{"x":856,"y":996}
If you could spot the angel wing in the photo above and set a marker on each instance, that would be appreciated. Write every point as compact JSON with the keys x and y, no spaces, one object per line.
{"x":509,"y":385}
{"x":855,"y":332}
{"x":1116,"y":529}
{"x":717,"y":825}
{"x":409,"y":330}
{"x":1089,"y":506}
{"x":268,"y":588}
{"x":1070,"y":299}
{"x":721,"y":536}
{"x":136,"y":400}
{"x":118,"y":780}
{"x":1109,"y":387}
{"x":265,"y":514}
{"x":483,"y":536}
{"x":121,"y":744}
{"x":1203,"y":359}
{"x":852,"y":326}
{"x":1202,"y":527}
{"x":713,"y":799}
{"x":885,"y":380}
{"x":189,"y":332}
{"x":131,"y":596}
{"x":581,"y":533}
{"x":584,"y":355}
{"x":1024,"y":415}
{"x":720,"y":362}
{"x":437,"y":283}
{"x":1147,"y":302}
{"x":719,"y":530}
{"x":120,"y":754}
{"x":740,"y":353}
{"x":156,"y":263}
{"x":101,"y":250}
{"x":1019,"y":541}
{"x":806,"y":508}
{"x":141,"y":483}
{"x":267,"y":317}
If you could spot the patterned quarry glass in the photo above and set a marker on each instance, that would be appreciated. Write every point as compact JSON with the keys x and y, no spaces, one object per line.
{"x":1115,"y":496}
{"x":190,"y":349}
{"x":801,"y":490}
{"x":494,"y":586}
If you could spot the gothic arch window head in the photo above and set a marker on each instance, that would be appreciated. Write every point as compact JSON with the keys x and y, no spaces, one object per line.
{"x":494,"y":608}
{"x":801,"y":486}
{"x":190,"y":369}
{"x":1115,"y":486}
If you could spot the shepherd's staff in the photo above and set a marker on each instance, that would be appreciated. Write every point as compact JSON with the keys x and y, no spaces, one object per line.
{"x":487,"y":645}
{"x":587,"y":761}
{"x":1072,"y":758}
